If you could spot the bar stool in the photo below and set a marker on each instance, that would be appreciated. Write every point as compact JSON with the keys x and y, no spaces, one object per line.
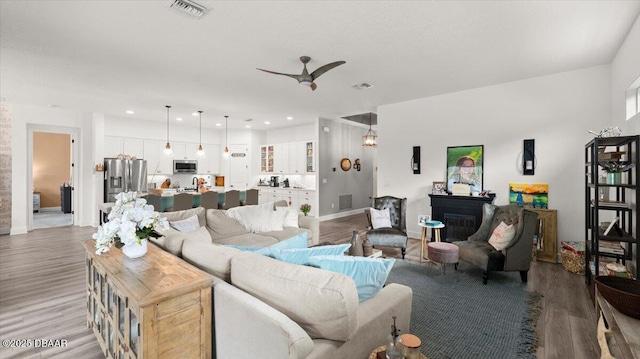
{"x":104,"y":210}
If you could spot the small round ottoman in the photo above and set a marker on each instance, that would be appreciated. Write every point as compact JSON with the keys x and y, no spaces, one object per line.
{"x":442,"y":252}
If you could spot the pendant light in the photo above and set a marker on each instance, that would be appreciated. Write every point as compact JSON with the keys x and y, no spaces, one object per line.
{"x":167,"y":147}
{"x":370,"y":139}
{"x":200,"y":151}
{"x":226,"y":137}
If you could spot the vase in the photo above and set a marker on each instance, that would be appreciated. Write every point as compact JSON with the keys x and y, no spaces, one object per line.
{"x":135,"y":250}
{"x":367,"y":247}
{"x":614,"y":178}
{"x":356,"y":245}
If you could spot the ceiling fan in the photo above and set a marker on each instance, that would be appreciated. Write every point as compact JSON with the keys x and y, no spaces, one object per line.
{"x":307,"y":78}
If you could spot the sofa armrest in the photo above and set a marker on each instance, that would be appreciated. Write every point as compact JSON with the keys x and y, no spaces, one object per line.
{"x":312,"y":224}
{"x":246,"y":327}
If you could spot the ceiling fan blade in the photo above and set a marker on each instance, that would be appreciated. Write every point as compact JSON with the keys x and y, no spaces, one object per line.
{"x":313,"y":86}
{"x":297,"y":77}
{"x":322,"y":69}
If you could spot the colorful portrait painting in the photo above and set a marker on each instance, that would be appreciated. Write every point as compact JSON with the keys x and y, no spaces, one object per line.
{"x":526,"y":194}
{"x":464,"y":165}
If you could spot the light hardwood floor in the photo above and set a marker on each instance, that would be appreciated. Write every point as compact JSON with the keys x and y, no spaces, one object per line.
{"x":42,"y":294}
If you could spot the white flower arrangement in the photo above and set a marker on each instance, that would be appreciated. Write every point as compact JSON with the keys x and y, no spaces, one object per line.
{"x":131,"y":219}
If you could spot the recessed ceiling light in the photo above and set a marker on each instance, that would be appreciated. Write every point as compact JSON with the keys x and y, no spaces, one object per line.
{"x":289,"y":118}
{"x":178,"y":118}
{"x":218,"y":124}
{"x":194,"y":114}
{"x":267,"y":122}
{"x":248,"y":126}
{"x":129,"y":112}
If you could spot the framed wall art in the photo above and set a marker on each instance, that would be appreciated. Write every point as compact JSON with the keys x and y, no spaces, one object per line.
{"x":439,"y":188}
{"x":465,"y":165}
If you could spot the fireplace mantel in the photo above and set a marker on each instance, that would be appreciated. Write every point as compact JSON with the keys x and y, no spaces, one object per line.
{"x":461,"y":215}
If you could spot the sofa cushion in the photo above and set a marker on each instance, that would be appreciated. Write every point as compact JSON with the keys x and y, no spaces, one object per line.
{"x":186,"y":225}
{"x":187,"y":213}
{"x":172,"y":240}
{"x":286,"y":233}
{"x":248,"y":240}
{"x":370,"y":274}
{"x":221,"y":226}
{"x":301,"y":255}
{"x":211,"y":258}
{"x":323,"y":303}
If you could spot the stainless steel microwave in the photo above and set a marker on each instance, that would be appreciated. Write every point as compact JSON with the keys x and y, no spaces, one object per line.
{"x":185,"y":166}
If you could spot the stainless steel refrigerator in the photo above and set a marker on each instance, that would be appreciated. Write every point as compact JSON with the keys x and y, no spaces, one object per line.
{"x":123,"y":176}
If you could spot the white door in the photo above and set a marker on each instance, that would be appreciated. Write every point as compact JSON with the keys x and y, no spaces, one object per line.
{"x":238,"y":167}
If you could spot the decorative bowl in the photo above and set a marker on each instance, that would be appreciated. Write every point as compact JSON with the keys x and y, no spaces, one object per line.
{"x":622,"y":293}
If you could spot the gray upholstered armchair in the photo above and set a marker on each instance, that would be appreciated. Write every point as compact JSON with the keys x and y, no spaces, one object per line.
{"x":396,"y":235}
{"x":516,"y":256}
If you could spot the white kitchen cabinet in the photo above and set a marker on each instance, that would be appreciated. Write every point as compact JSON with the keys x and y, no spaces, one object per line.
{"x":157,"y":161}
{"x":297,"y":157}
{"x":310,"y":158}
{"x":281,"y":158}
{"x":209,"y":163}
{"x":133,"y":147}
{"x":113,"y":146}
{"x":306,"y":196}
{"x":180,"y":151}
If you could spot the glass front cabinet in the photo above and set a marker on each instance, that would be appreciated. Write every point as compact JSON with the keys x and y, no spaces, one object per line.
{"x":118,"y":316}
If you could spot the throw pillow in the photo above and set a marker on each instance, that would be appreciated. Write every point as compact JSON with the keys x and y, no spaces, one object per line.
{"x":380,"y":218}
{"x":370,"y":274}
{"x":298,"y":241}
{"x":199,"y":235}
{"x":186,"y":225}
{"x":258,"y":218}
{"x":290,"y":217}
{"x":502,"y":236}
{"x":301,"y":255}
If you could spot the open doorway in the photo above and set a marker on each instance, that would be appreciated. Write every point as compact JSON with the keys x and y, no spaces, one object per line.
{"x":52,"y":175}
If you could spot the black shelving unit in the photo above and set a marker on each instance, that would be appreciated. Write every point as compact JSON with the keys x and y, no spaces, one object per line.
{"x":624,"y":197}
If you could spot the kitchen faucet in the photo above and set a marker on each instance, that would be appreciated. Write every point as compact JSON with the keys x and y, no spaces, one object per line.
{"x":195,"y":181}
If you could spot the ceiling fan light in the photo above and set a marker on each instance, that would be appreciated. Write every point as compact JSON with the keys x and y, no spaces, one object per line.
{"x":305,"y":83}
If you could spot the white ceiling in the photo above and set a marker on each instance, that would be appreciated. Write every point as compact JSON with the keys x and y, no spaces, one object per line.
{"x":112,"y":56}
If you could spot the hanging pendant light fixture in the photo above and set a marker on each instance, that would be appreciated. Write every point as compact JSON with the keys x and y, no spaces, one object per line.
{"x":167,"y":147}
{"x":226,"y":137}
{"x":200,"y":151}
{"x":370,"y":139}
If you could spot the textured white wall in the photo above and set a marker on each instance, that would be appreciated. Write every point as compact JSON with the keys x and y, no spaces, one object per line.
{"x":555,"y":110}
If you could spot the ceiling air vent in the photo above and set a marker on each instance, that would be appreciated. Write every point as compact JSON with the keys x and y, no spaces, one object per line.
{"x":363,"y":86}
{"x":188,"y":7}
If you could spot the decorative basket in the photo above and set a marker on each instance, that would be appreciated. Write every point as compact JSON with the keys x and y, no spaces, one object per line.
{"x":573,"y":262}
{"x":622,"y":293}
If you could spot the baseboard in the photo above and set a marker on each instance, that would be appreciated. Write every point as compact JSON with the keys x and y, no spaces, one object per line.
{"x":5,"y":230}
{"x":51,"y":209}
{"x":20,"y":230}
{"x":342,"y":214}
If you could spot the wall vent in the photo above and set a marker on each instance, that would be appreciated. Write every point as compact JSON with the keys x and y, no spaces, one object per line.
{"x":345,"y":202}
{"x":188,"y":7}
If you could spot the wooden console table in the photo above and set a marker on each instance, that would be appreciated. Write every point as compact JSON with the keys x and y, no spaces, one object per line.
{"x":155,"y":306}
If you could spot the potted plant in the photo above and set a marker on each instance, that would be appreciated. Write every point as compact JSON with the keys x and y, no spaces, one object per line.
{"x":614,"y":170}
{"x":131,"y":222}
{"x":305,"y":208}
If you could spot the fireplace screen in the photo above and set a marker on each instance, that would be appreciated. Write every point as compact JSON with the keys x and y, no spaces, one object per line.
{"x":457,"y":227}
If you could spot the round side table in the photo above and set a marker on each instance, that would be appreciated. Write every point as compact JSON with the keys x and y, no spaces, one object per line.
{"x":436,"y":234}
{"x":382,"y":348}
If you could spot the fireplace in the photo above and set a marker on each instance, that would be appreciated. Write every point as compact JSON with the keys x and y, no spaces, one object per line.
{"x":461,"y":215}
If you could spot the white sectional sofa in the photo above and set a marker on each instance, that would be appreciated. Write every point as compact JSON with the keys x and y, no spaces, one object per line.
{"x":264,"y":308}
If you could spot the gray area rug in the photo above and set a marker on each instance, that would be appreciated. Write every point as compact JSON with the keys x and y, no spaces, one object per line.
{"x":456,"y":316}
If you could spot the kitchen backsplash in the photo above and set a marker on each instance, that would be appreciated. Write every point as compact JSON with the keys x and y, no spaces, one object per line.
{"x":180,"y":180}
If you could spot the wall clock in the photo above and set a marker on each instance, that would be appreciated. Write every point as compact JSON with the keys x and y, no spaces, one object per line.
{"x":345,"y":164}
